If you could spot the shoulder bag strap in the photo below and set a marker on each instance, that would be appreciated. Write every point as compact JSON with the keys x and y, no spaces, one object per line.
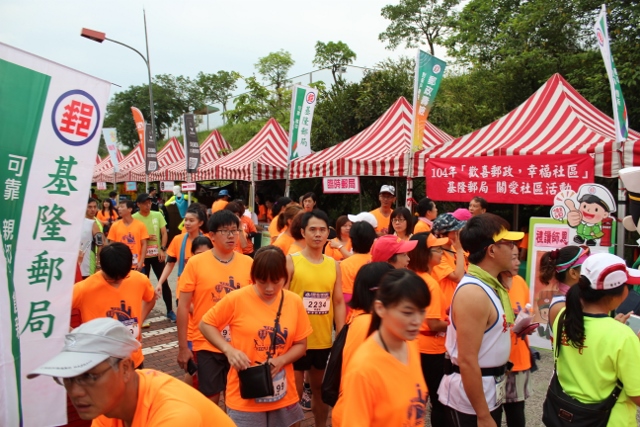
{"x":274,"y":337}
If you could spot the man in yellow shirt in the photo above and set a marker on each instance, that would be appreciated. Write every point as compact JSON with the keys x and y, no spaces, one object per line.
{"x":387,"y":198}
{"x":96,"y":369}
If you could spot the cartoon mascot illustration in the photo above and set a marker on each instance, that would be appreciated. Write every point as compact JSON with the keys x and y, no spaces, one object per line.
{"x":631,"y":180}
{"x":595,"y":203}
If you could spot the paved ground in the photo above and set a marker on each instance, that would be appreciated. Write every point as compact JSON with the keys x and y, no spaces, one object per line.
{"x":160,"y":348}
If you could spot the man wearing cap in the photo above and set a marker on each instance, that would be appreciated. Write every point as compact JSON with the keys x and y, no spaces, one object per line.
{"x":221,"y":203}
{"x":478,"y":206}
{"x":479,"y":344}
{"x":116,"y":292}
{"x":393,"y":250}
{"x":453,"y":263}
{"x":131,"y":232}
{"x":96,"y":370}
{"x":156,"y":246}
{"x":387,"y":198}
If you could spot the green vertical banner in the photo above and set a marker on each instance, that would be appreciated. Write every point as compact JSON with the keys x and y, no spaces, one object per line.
{"x":428,"y":75}
{"x":303,"y":103}
{"x":619,"y":107}
{"x":50,"y":120}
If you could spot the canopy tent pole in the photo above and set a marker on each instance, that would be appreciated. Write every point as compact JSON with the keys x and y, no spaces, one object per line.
{"x":409,"y":174}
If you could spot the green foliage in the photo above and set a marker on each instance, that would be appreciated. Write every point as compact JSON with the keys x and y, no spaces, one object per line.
{"x":333,"y":55}
{"x":259,"y":104}
{"x":216,"y":88}
{"x":415,"y":21}
{"x":274,"y":68}
{"x":237,"y":134}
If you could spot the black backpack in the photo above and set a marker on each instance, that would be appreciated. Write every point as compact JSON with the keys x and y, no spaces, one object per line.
{"x":333,"y":372}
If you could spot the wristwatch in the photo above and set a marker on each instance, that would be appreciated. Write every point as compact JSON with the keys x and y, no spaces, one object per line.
{"x":163,"y":248}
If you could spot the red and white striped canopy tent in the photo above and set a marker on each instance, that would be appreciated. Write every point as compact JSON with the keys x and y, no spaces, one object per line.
{"x":104,"y":165}
{"x":169,"y":154}
{"x":211,"y":150}
{"x":382,"y":149}
{"x":98,"y":159}
{"x":135,"y":157}
{"x":263,"y":157}
{"x":554,"y":120}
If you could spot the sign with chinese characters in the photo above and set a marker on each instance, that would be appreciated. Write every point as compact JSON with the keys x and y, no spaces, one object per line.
{"x":341,"y":185}
{"x":101,"y":185}
{"x":527,"y":180}
{"x":51,"y":125}
{"x":188,"y":186}
{"x":546,"y":234}
{"x":428,"y":74}
{"x":166,"y":186}
{"x":191,"y":144}
{"x":111,"y":139}
{"x":303,"y":102}
{"x":150,"y":149}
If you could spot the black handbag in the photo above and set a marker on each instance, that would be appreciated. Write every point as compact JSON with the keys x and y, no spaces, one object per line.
{"x":333,"y":372}
{"x":561,"y":410}
{"x":256,"y":381}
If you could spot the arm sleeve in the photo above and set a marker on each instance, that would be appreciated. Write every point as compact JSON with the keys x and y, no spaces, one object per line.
{"x":144,"y":234}
{"x":434,"y":310}
{"x":173,"y":250}
{"x":77,"y":296}
{"x":162,"y":221}
{"x":443,"y":269}
{"x":187,"y":280}
{"x":221,"y":314}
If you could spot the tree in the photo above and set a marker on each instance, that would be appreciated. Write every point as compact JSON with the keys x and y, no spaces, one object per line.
{"x":274,"y":68}
{"x":217,"y":88}
{"x":334,"y":56}
{"x":416,"y":21}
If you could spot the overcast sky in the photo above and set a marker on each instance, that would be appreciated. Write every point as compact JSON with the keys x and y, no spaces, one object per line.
{"x":189,"y":36}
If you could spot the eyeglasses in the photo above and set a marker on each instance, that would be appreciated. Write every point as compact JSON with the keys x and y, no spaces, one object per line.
{"x":437,"y":250}
{"x":509,"y":243}
{"x":229,"y":232}
{"x":84,"y":380}
{"x":398,"y":220}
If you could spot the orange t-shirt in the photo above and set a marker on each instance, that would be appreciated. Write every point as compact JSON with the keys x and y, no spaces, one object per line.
{"x":164,"y":401}
{"x":96,"y":298}
{"x":248,"y":227}
{"x":105,"y":217}
{"x":262,"y":213}
{"x":349,"y":268}
{"x":441,"y":272}
{"x":430,"y":344}
{"x":284,"y":242}
{"x":176,"y":245}
{"x":421,"y":227}
{"x":295,"y":247}
{"x":524,"y":243}
{"x":375,"y":376}
{"x":519,"y":297}
{"x":335,"y":253}
{"x":356,"y":335}
{"x":209,"y":280}
{"x":383,"y":221}
{"x":131,"y":235}
{"x":251,"y":322}
{"x":218,"y":205}
{"x":273,"y":229}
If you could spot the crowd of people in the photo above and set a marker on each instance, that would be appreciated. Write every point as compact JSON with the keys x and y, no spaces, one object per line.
{"x":429,"y":304}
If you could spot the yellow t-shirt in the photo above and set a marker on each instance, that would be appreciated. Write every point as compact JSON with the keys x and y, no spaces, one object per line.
{"x":210,"y":280}
{"x":251,"y":322}
{"x":383,"y":221}
{"x":380,"y":391}
{"x":96,"y":298}
{"x":131,"y":235}
{"x":315,"y":283}
{"x":430,"y":344}
{"x":349,"y":268}
{"x":164,"y":401}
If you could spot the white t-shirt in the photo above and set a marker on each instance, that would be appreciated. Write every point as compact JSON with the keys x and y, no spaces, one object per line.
{"x":86,"y":236}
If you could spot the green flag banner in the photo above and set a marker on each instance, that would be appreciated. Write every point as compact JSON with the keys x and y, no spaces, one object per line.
{"x":428,"y":74}
{"x":619,"y":107}
{"x":303,"y":102}
{"x":50,"y":120}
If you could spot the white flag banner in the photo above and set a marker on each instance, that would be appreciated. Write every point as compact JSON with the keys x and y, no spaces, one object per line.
{"x":50,"y":122}
{"x":111,"y":139}
{"x":303,"y":102}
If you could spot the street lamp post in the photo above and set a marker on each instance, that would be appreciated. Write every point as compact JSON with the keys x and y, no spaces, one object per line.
{"x":99,"y":37}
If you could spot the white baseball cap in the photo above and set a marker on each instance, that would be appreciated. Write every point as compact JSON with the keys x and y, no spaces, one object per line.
{"x":607,"y":271}
{"x":364,"y":216}
{"x":87,"y":346}
{"x":388,"y":189}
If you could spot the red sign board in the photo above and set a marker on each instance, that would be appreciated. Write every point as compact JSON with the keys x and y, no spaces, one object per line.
{"x":527,"y":180}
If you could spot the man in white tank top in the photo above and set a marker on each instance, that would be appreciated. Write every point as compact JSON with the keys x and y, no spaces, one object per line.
{"x":478,"y":340}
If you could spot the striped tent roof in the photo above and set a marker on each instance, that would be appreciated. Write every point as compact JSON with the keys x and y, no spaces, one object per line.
{"x":168,"y":155}
{"x":382,"y":149}
{"x":265,"y":153}
{"x":554,"y":120}
{"x":213,"y":147}
{"x":104,"y":165}
{"x":98,"y":159}
{"x":132,"y":159}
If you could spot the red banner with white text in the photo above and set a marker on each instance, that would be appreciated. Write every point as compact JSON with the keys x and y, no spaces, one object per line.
{"x":527,"y":180}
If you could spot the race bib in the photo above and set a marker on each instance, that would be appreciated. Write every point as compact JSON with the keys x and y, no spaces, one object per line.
{"x":152,"y":250}
{"x":279,"y":389}
{"x":226,"y":333}
{"x":501,"y":389}
{"x":132,"y":326}
{"x":317,"y":302}
{"x":135,"y":260}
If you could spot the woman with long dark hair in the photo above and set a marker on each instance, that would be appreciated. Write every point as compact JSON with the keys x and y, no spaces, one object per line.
{"x":383,"y":385}
{"x":107,"y":215}
{"x":596,"y":351}
{"x":276,"y":209}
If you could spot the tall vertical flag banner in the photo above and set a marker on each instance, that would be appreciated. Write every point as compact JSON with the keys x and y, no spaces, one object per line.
{"x":138,"y":118}
{"x":191,"y":144}
{"x":303,"y":102}
{"x":50,"y":124}
{"x":111,"y":140}
{"x":619,"y":107}
{"x":150,"y":149}
{"x":428,"y":75}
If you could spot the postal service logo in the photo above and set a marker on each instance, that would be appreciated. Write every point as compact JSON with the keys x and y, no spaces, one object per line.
{"x":75,"y":117}
{"x":436,"y":69}
{"x":311,"y":98}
